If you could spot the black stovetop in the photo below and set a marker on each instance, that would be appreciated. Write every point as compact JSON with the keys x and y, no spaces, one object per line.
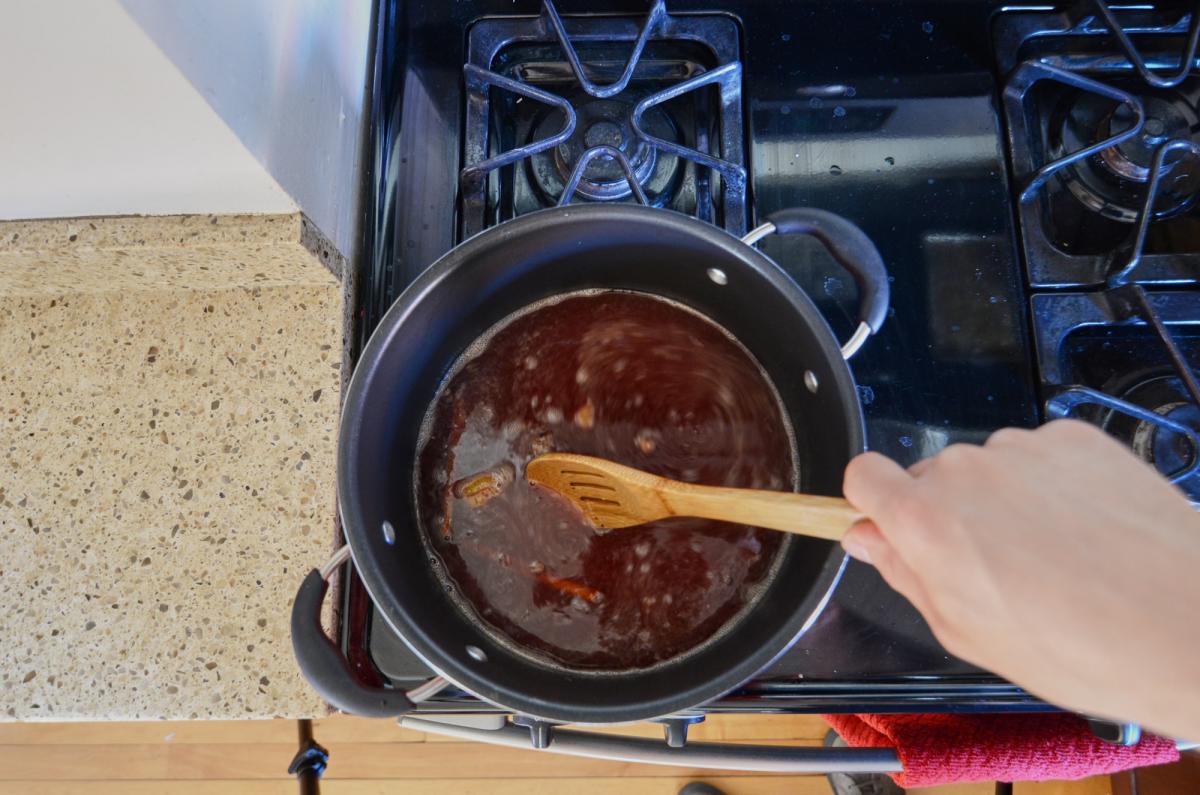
{"x":888,"y":114}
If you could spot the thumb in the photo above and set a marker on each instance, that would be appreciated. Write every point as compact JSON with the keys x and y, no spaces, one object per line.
{"x":872,"y":481}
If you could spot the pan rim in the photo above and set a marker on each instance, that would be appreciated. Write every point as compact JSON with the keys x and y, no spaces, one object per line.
{"x":349,"y":500}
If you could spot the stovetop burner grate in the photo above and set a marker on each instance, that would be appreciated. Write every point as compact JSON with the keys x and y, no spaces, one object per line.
{"x":655,"y":133}
{"x":1156,"y":405}
{"x":1087,"y":113}
{"x":1141,"y":154}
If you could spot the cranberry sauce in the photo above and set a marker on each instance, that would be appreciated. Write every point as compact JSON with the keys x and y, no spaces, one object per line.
{"x":625,"y":376}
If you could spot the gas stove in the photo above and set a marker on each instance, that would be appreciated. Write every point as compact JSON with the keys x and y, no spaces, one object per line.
{"x":999,"y":157}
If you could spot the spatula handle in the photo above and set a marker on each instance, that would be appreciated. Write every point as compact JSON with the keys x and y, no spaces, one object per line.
{"x":802,"y":514}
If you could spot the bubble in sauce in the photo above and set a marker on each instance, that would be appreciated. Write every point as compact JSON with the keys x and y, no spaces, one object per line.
{"x":646,"y":440}
{"x":585,"y":415}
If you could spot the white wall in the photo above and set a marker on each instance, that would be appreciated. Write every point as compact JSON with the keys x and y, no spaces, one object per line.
{"x":288,"y":76}
{"x":95,"y":120}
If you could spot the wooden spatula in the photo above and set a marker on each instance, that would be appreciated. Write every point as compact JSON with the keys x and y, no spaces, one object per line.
{"x":612,"y":496}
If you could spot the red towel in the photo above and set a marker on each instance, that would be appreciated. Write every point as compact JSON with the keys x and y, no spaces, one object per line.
{"x":944,"y":749}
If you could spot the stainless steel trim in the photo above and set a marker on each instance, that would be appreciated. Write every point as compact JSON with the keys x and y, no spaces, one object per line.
{"x":428,"y":690}
{"x":758,"y":233}
{"x":422,"y":691}
{"x":335,"y":561}
{"x":490,"y":721}
{"x":856,"y":341}
{"x":713,"y":756}
{"x":860,"y":334}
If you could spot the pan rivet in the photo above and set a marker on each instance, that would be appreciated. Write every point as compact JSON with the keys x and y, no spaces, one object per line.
{"x":476,"y":654}
{"x":810,"y":381}
{"x":718,"y":276}
{"x":389,"y":533}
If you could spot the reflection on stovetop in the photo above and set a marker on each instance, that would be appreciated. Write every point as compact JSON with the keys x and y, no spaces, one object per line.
{"x":894,"y":127}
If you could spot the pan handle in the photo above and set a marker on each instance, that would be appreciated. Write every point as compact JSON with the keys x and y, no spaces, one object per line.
{"x":852,"y":249}
{"x":326,"y":668}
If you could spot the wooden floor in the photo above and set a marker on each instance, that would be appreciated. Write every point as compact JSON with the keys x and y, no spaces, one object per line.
{"x":369,"y":757}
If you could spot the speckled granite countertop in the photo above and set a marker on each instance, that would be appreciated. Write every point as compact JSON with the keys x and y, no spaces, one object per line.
{"x":168,"y":409}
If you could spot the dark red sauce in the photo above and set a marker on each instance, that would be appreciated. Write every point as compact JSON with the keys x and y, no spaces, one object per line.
{"x":628,"y":377}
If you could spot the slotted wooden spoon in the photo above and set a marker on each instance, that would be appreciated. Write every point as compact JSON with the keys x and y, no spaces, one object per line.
{"x":613,"y":496}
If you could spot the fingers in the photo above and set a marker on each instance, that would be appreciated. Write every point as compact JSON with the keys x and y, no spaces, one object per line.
{"x":919,"y":468}
{"x":899,"y":509}
{"x":865,"y":542}
{"x":872,"y":481}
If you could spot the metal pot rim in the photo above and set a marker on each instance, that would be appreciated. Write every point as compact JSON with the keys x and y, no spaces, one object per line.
{"x":357,"y":394}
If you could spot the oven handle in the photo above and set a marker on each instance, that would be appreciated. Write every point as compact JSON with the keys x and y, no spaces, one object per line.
{"x":328,"y":670}
{"x":852,"y":249}
{"x":540,"y":736}
{"x":714,"y":756}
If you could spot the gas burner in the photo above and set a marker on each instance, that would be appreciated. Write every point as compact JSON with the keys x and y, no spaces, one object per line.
{"x":1124,"y":359}
{"x":1166,"y":118}
{"x":1089,"y":107}
{"x":1158,"y":444}
{"x":605,"y":122}
{"x":1112,"y":181}
{"x":603,"y":109}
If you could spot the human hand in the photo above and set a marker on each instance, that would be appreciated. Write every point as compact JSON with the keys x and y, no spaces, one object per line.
{"x":1053,"y":557}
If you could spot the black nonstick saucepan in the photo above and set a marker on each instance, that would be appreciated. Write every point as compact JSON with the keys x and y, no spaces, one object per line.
{"x":484,"y":280}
